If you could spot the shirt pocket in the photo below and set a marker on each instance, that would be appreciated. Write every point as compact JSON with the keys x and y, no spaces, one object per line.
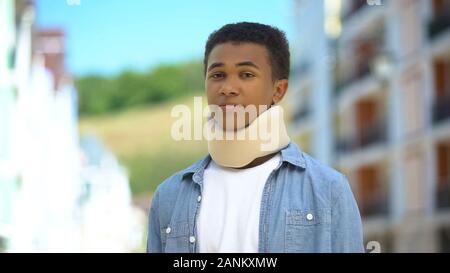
{"x":308,"y":230}
{"x":175,"y":237}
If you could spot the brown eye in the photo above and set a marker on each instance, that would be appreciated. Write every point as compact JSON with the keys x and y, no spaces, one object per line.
{"x":216,"y":76}
{"x":247,"y":75}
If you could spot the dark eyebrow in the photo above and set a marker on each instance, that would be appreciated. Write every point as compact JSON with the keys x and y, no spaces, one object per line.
{"x":247,"y":63}
{"x":214,"y":65}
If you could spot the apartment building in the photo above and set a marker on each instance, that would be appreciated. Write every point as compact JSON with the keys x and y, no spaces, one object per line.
{"x":385,"y":90}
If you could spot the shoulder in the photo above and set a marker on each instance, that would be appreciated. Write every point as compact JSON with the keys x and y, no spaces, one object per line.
{"x":173,"y":183}
{"x":326,"y":178}
{"x":322,"y":172}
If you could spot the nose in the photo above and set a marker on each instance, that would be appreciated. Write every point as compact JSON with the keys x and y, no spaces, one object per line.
{"x":229,"y":90}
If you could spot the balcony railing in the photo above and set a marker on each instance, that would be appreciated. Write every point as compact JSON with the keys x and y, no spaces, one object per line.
{"x":362,"y":70}
{"x":441,"y":109}
{"x":443,"y":194}
{"x":366,"y":137}
{"x":439,"y":24}
{"x":371,"y":135}
{"x":375,"y":207}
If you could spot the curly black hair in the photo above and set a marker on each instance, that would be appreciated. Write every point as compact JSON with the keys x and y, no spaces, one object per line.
{"x":271,"y":37}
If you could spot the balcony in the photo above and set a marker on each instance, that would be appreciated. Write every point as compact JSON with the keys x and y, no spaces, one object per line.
{"x":362,"y":70}
{"x":376,"y":207}
{"x":443,"y":194}
{"x":439,"y":24}
{"x":367,"y":136}
{"x":372,"y":135}
{"x":441,"y":109}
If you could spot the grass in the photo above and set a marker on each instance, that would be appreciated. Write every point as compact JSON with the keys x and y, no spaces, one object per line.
{"x":142,"y":141}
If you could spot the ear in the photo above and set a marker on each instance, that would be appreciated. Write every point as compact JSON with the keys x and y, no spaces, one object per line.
{"x":280,"y":89}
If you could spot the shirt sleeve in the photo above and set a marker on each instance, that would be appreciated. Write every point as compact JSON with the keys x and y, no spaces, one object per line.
{"x":154,"y":244}
{"x":346,"y":228}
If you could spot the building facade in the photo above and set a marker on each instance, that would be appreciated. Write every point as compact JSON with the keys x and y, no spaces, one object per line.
{"x":387,"y":98}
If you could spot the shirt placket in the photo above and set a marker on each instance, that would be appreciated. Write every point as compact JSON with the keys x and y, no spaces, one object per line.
{"x":264,"y":215}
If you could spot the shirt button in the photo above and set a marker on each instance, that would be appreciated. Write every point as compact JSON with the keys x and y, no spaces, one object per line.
{"x":168,"y":229}
{"x":192,"y":239}
{"x":309,"y":217}
{"x":199,"y":198}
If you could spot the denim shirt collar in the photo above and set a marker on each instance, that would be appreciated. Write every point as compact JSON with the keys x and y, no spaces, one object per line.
{"x":291,"y":154}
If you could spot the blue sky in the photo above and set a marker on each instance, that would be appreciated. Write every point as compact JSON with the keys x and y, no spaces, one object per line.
{"x":107,"y":36}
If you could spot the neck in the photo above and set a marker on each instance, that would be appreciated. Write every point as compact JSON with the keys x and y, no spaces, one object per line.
{"x":258,"y":161}
{"x":249,"y":152}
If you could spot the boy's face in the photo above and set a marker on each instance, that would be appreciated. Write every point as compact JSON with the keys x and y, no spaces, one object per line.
{"x":240,"y":74}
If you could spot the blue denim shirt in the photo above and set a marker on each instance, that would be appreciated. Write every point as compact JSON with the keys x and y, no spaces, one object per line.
{"x":305,"y":207}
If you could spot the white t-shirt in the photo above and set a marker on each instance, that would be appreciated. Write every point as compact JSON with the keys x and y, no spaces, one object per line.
{"x":228,"y":219}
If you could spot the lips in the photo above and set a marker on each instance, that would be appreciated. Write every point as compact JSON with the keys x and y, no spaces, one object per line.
{"x":230,"y":106}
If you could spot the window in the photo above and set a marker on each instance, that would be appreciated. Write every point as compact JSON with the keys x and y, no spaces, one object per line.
{"x":371,"y":193}
{"x":443,"y":175}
